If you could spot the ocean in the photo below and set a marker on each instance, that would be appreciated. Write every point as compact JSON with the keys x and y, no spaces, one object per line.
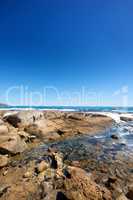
{"x":73,"y":108}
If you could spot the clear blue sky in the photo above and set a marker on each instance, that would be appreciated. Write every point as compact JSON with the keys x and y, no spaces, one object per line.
{"x":67,"y":44}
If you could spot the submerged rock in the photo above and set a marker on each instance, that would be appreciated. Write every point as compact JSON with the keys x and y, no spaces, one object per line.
{"x":115,"y":137}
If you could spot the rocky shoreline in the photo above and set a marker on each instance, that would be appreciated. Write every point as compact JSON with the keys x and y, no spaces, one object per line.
{"x":57,"y":155}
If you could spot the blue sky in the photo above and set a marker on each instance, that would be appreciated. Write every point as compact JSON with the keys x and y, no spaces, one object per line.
{"x":67,"y":45}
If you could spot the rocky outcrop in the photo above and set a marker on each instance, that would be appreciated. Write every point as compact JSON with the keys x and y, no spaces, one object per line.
{"x":22,"y":118}
{"x":46,"y":174}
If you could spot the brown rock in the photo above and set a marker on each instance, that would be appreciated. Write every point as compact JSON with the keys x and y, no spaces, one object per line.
{"x":59,"y":159}
{"x":12,"y":145}
{"x":33,"y":129}
{"x":1,"y":122}
{"x":28,"y":174}
{"x":122,"y":197}
{"x":3,"y":130}
{"x":43,"y":165}
{"x":79,"y":185}
{"x":3,"y":160}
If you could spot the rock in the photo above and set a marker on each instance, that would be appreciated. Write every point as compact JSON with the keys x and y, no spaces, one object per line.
{"x":60,"y":132}
{"x":3,"y":189}
{"x":22,"y":118}
{"x":129,"y":195}
{"x":111,"y":180}
{"x":25,"y":136}
{"x":59,"y":159}
{"x":75,"y":116}
{"x":3,"y":160}
{"x":115,"y":137}
{"x":53,"y":115}
{"x":45,"y":191}
{"x":12,"y":145}
{"x":122,"y":197}
{"x":5,"y":172}
{"x":33,"y":129}
{"x":1,"y":122}
{"x":28,"y":174}
{"x":79,"y":185}
{"x":12,"y":118}
{"x":43,"y":165}
{"x":126,"y":118}
{"x":3,"y":130}
{"x":41,"y":176}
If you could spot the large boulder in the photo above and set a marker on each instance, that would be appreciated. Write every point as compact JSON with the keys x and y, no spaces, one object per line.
{"x":12,"y":118}
{"x":12,"y":144}
{"x":22,"y":118}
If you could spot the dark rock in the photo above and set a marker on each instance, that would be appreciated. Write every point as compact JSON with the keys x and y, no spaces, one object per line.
{"x":111,"y":180}
{"x":61,"y":196}
{"x":12,"y":119}
{"x":129,"y":195}
{"x":115,"y":137}
{"x":126,"y":119}
{"x":60,"y":132}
